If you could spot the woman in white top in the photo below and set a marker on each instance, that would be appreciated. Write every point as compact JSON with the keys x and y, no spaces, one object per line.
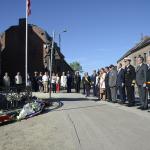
{"x":102,"y":83}
{"x":18,"y":79}
{"x":6,"y":80}
{"x":45,"y":80}
{"x":63,"y":80}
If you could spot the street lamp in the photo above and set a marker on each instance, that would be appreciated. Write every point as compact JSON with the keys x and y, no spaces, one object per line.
{"x":60,"y":38}
{"x":50,"y":51}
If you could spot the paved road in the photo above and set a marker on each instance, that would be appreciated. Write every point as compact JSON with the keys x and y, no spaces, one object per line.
{"x":80,"y":124}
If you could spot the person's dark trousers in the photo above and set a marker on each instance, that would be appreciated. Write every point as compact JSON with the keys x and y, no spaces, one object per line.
{"x":130,"y":95}
{"x":78,"y":87}
{"x":69,"y":88}
{"x":108,"y":94}
{"x":18,"y":87}
{"x":142,"y":96}
{"x":87,"y":88}
{"x":94,"y":90}
{"x":83,"y":88}
{"x":97,"y":91}
{"x":121,"y":93}
{"x":54,"y":87}
{"x":113,"y":93}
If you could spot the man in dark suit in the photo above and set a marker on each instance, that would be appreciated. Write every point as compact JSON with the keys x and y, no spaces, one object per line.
{"x":140,"y":81}
{"x":129,"y":82}
{"x":83,"y":83}
{"x":120,"y":83}
{"x":112,"y":82}
{"x":77,"y":82}
{"x":93,"y":81}
{"x":69,"y":82}
{"x":107,"y":88}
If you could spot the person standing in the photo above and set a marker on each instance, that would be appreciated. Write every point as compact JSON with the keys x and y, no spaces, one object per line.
{"x":54,"y":78}
{"x":97,"y":85}
{"x":102,"y":84}
{"x":6,"y":80}
{"x":83,"y":83}
{"x":87,"y":84}
{"x":77,"y":82}
{"x":141,"y":82}
{"x":112,"y":83}
{"x":129,"y":82}
{"x":57,"y":83}
{"x":45,"y":80}
{"x":121,"y":83}
{"x":93,"y":81}
{"x":29,"y":84}
{"x":107,"y":87}
{"x":18,"y":81}
{"x":63,"y":80}
{"x":35,"y":81}
{"x":40,"y":83}
{"x":148,"y":78}
{"x":69,"y":82}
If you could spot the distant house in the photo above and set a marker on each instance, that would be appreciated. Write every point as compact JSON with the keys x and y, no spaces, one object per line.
{"x":13,"y":52}
{"x":141,"y":49}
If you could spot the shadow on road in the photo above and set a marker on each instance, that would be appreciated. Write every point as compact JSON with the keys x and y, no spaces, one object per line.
{"x":83,"y":107}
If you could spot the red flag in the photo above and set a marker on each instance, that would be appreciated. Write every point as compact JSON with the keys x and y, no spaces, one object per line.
{"x":28,"y":7}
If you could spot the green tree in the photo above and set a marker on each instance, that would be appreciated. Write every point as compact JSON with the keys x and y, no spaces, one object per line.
{"x":76,"y":66}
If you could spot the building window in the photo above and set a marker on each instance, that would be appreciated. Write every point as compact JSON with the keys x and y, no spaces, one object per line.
{"x":134,"y":61}
{"x":145,"y":55}
{"x":149,"y":53}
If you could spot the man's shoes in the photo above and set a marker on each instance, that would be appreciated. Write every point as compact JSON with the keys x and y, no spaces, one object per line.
{"x":121,"y":102}
{"x":130,"y":104}
{"x":140,"y":107}
{"x":144,"y":108}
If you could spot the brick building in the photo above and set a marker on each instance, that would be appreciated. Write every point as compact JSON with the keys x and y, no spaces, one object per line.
{"x":13,"y":51}
{"x":140,"y":49}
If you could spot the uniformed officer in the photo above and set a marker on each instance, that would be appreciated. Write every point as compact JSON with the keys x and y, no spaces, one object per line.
{"x":129,"y":82}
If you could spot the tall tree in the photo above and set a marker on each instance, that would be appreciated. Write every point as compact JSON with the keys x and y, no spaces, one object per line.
{"x":76,"y":66}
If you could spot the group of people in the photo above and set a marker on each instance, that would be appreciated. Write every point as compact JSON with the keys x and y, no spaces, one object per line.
{"x":41,"y":82}
{"x":117,"y":83}
{"x":113,"y":83}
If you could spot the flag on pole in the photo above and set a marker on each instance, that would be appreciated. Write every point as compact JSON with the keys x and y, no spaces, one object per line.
{"x":29,"y":7}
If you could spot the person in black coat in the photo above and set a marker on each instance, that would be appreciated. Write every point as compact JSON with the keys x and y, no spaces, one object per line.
{"x":93,"y":81}
{"x":83,"y":83}
{"x":129,"y":82}
{"x":107,"y":88}
{"x":140,"y":81}
{"x":35,"y":85}
{"x":69,"y":82}
{"x":77,"y":82}
{"x":148,"y":76}
{"x":121,"y":83}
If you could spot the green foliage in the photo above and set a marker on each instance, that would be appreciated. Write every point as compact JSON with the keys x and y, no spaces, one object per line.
{"x":76,"y":66}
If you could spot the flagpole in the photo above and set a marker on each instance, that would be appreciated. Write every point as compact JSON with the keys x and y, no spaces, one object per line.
{"x":51,"y":63}
{"x":26,"y":46}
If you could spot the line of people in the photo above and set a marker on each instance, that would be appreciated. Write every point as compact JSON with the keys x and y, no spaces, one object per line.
{"x":117,"y":84}
{"x":41,"y":83}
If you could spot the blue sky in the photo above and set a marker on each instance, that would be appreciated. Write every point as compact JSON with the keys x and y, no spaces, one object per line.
{"x":98,"y":33}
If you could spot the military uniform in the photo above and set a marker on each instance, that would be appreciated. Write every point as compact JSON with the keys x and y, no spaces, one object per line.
{"x":129,"y":84}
